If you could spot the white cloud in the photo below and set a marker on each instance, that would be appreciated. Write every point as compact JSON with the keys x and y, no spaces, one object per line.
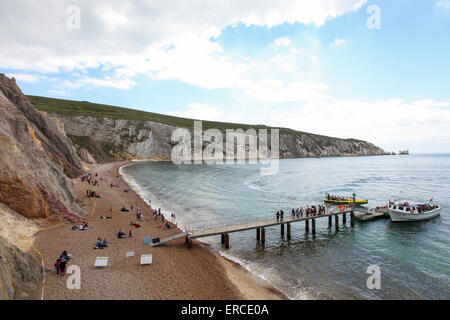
{"x":443,"y":4}
{"x":391,"y":124}
{"x":337,"y":43}
{"x":133,"y":37}
{"x":25,"y":77}
{"x":199,"y":111}
{"x":107,"y":82}
{"x":385,"y":122}
{"x":281,"y":42}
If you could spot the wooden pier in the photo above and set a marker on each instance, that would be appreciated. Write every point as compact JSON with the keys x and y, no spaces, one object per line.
{"x":260,"y":226}
{"x":372,"y":214}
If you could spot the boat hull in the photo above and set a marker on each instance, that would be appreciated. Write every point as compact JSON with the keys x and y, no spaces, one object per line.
{"x":357,"y":201}
{"x":404,"y":217}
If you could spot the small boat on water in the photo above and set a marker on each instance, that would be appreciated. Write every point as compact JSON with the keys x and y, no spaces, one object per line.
{"x":412,"y":211}
{"x":343,"y":200}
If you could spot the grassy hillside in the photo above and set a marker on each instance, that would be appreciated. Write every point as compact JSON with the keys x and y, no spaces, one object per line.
{"x":84,"y":108}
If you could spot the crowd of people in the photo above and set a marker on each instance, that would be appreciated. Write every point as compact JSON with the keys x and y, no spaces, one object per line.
{"x":336,"y":198}
{"x":91,"y":180}
{"x":302,"y":212}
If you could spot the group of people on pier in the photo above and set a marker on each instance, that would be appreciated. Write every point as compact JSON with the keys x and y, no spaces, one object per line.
{"x":302,"y":212}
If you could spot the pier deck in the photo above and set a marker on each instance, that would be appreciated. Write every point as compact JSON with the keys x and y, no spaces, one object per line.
{"x":260,"y":226}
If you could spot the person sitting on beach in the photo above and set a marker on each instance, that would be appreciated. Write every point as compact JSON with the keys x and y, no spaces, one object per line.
{"x":100,"y":244}
{"x":123,"y":209}
{"x":121,"y":234}
{"x":167,"y":225}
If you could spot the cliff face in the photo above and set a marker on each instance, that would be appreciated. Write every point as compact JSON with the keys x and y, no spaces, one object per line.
{"x":36,"y":159}
{"x":20,"y":273}
{"x":107,"y":139}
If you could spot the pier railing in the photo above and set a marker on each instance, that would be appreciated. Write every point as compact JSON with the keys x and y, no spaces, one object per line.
{"x":213,"y":223}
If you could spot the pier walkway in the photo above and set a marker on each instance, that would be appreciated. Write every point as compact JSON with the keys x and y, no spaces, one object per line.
{"x":260,"y":225}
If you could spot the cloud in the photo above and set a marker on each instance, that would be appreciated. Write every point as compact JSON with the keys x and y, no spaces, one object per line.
{"x":281,"y":42}
{"x":337,"y":43}
{"x":443,"y":4}
{"x":384,"y":122}
{"x":25,"y":77}
{"x":199,"y":111}
{"x":161,"y":39}
{"x":123,"y":84}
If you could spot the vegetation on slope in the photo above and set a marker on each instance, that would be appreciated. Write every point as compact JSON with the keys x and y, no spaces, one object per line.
{"x":84,"y":108}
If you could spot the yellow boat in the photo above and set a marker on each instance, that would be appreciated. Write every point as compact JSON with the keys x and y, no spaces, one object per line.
{"x":347,"y":201}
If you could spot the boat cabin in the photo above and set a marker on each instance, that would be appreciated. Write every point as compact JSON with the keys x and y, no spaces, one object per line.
{"x":410,"y":207}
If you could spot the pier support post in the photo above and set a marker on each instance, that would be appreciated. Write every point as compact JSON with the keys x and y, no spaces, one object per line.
{"x":258,"y":234}
{"x":227,"y":241}
{"x":313,"y":226}
{"x":336,"y":221}
{"x":263,"y":235}
{"x":306,"y":225}
{"x":352,"y":219}
{"x":282,"y":229}
{"x":222,"y":238}
{"x":344,"y":218}
{"x":289,"y":231}
{"x":330,"y":222}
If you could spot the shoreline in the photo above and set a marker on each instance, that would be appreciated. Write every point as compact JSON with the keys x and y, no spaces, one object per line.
{"x":177,"y":273}
{"x":242,"y":278}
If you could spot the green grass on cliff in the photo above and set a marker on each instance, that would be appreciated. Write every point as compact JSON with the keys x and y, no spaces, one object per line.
{"x":84,"y":108}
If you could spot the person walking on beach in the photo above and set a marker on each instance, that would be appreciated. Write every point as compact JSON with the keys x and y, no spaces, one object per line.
{"x":58,"y":266}
{"x":62,"y":266}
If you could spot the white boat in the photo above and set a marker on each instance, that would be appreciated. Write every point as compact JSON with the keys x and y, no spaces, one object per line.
{"x":412,"y":211}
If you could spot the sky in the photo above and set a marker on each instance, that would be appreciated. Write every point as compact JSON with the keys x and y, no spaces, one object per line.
{"x":376,"y":70}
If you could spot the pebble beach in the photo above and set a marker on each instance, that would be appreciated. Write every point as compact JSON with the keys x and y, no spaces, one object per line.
{"x":176,"y":272}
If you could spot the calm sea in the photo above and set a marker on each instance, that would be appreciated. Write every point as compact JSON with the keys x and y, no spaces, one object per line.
{"x":414,"y":258}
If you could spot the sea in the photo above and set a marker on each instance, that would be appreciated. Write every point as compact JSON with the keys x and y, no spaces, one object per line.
{"x":376,"y":259}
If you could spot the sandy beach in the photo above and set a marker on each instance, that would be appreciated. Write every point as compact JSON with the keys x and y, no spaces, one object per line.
{"x":176,"y":272}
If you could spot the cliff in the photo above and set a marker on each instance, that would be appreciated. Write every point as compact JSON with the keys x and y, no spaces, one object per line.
{"x":36,"y":159}
{"x":103,"y":133}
